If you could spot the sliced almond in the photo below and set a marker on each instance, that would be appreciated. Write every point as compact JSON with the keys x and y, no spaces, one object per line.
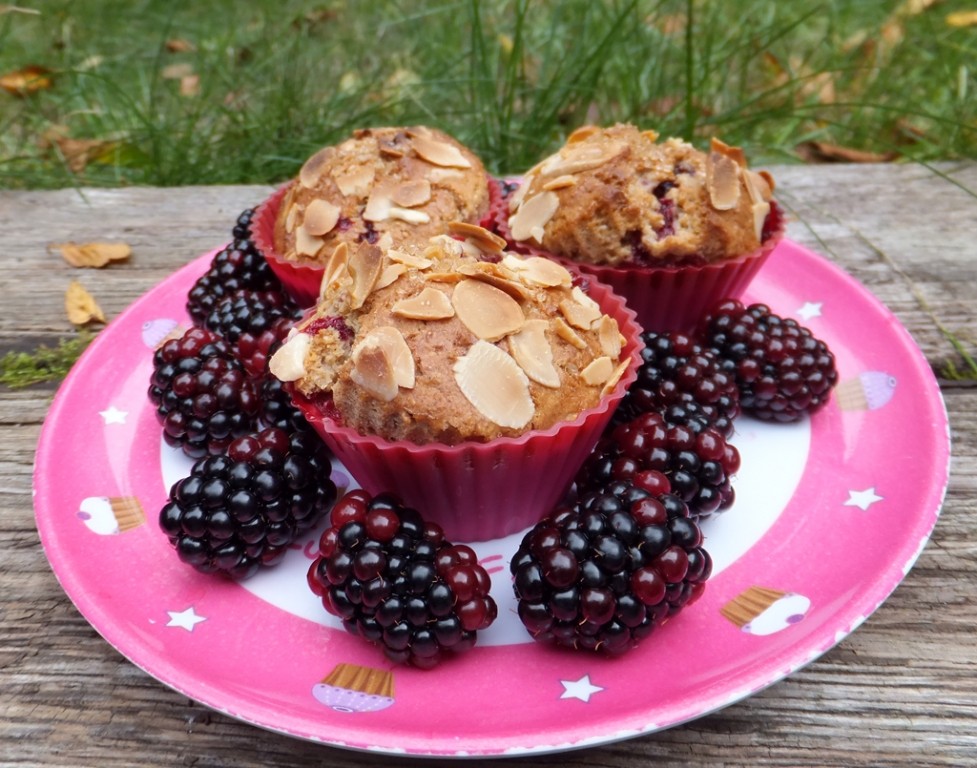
{"x":598,"y":372}
{"x":412,"y":193}
{"x":539,"y":271}
{"x":389,"y":275}
{"x":429,"y":304}
{"x":533,"y":216}
{"x":516,"y":198}
{"x":760,"y":211}
{"x":389,"y":148}
{"x":288,"y":363}
{"x":290,"y":217}
{"x":759,"y":185}
{"x":394,"y":346}
{"x":733,"y":153}
{"x":443,"y":247}
{"x":356,"y":182}
{"x":531,"y":349}
{"x":650,"y":135}
{"x":438,"y":152}
{"x":614,"y":378}
{"x":335,"y":269}
{"x":485,"y":310}
{"x":765,"y":175}
{"x":497,"y":275}
{"x":579,"y":157}
{"x":583,"y":132}
{"x":306,"y":244}
{"x":485,"y":240}
{"x":495,"y":385}
{"x":722,"y":181}
{"x":567,"y":333}
{"x":438,"y":175}
{"x":609,"y":336}
{"x":560,"y":182}
{"x":378,"y":205}
{"x":321,"y":217}
{"x":373,"y":370}
{"x":408,"y":214}
{"x":312,"y":168}
{"x":364,"y":267}
{"x":408,"y":259}
{"x":445,"y":277}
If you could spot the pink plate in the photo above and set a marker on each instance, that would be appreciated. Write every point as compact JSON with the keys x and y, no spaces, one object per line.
{"x":830,"y":515}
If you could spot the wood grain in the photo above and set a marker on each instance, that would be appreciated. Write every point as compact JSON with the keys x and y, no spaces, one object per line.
{"x":899,"y":691}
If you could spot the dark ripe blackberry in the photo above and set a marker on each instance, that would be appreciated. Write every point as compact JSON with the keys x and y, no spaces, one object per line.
{"x":683,"y":381}
{"x":698,"y":464}
{"x":396,"y":581}
{"x":204,"y":398}
{"x":241,"y":510}
{"x":242,"y":227}
{"x":601,"y":574}
{"x":254,"y":324}
{"x":277,"y":409}
{"x":781,"y":369}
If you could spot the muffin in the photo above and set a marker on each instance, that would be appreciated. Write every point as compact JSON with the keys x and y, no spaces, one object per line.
{"x":669,"y":227}
{"x":469,"y":380}
{"x":407,"y":183}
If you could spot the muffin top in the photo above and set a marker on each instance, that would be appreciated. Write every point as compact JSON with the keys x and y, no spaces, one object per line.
{"x":619,"y":197}
{"x":409,"y":182}
{"x":453,"y":341}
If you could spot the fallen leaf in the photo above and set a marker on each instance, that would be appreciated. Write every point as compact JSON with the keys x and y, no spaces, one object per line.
{"x":93,"y":254}
{"x":78,"y":153}
{"x":823,"y":151}
{"x":16,"y":9}
{"x":962,"y":19}
{"x":81,"y":306}
{"x":30,"y":79}
{"x":190,"y":85}
{"x":176,"y":71}
{"x":179,"y":45}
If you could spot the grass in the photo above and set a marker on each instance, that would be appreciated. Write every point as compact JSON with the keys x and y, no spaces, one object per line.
{"x":276,"y":80}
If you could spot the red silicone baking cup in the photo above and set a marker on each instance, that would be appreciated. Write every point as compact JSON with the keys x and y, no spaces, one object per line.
{"x":482,"y":491}
{"x":302,"y":280}
{"x":671,"y":298}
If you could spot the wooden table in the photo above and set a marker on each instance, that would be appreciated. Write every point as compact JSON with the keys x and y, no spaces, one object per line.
{"x":900,"y":691}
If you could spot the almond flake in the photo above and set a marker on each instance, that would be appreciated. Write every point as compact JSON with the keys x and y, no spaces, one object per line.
{"x":378,"y":205}
{"x":610,"y":337}
{"x":389,"y":275}
{"x":80,"y":306}
{"x":312,"y":168}
{"x":93,"y":254}
{"x":335,"y":269}
{"x":567,"y":333}
{"x":356,"y":182}
{"x":733,"y":153}
{"x":443,"y":247}
{"x":576,"y":158}
{"x":288,"y":363}
{"x":306,"y":244}
{"x":759,"y":185}
{"x":560,"y":182}
{"x":395,"y":348}
{"x":373,"y":370}
{"x":599,"y":371}
{"x":539,"y":271}
{"x":495,"y":385}
{"x":320,"y":217}
{"x":722,"y":181}
{"x":614,"y":378}
{"x":533,"y":215}
{"x":500,"y":277}
{"x":516,"y":198}
{"x":650,"y":135}
{"x":760,"y":211}
{"x":445,"y":277}
{"x":408,"y":259}
{"x":444,"y":174}
{"x":485,"y":310}
{"x":389,"y":148}
{"x":583,"y":132}
{"x":364,"y":267}
{"x":485,"y":240}
{"x":529,"y":347}
{"x":587,"y":303}
{"x":407,"y":214}
{"x":429,"y":304}
{"x":438,"y":152}
{"x":412,"y":193}
{"x":290,"y":217}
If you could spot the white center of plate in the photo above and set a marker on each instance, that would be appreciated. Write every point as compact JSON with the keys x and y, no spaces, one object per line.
{"x":773,"y":460}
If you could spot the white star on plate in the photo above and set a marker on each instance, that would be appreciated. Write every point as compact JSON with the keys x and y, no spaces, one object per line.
{"x":809,"y":310}
{"x":187,"y":619}
{"x":581,"y":689}
{"x":113,"y":415}
{"x":862,"y":499}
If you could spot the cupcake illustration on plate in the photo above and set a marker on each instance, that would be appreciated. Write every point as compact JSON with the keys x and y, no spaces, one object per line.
{"x":866,"y":392}
{"x":763,"y":611}
{"x":109,"y":515}
{"x":352,"y":688}
{"x":155,"y":332}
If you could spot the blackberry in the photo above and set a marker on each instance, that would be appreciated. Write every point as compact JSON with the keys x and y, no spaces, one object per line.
{"x":394,"y":580}
{"x":699,"y":465}
{"x":781,"y":369}
{"x":277,"y":409}
{"x":242,"y":227}
{"x":684,"y":382}
{"x":241,"y":510}
{"x":254,"y":324}
{"x":601,"y":574}
{"x":203,"y":396}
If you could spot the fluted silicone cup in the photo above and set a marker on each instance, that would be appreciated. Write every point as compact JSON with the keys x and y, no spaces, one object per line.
{"x":481,"y":491}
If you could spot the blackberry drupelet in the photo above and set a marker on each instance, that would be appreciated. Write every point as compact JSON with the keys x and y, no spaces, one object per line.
{"x":241,"y":510}
{"x":601,"y":574}
{"x":254,"y":323}
{"x":394,"y":580}
{"x":781,"y":369}
{"x":699,"y":465}
{"x":684,"y":382}
{"x":203,"y":396}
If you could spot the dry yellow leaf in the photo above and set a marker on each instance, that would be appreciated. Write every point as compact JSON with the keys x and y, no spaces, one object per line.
{"x":93,"y":254}
{"x":78,"y":153}
{"x":179,"y":45}
{"x":27,"y":80}
{"x":176,"y":71}
{"x":80,"y":306}
{"x":962,"y":19}
{"x":190,"y":85}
